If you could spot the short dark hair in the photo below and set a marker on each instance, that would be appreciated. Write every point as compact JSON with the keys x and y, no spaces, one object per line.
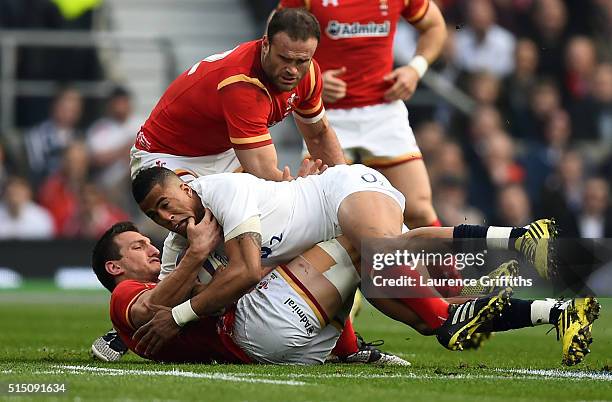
{"x":106,"y":249}
{"x":297,"y":23}
{"x":148,"y":178}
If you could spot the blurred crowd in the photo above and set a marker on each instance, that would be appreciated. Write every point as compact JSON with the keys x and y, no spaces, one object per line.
{"x":71,"y":182}
{"x":539,"y":142}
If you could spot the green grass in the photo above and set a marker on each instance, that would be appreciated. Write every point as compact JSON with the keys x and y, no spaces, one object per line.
{"x":55,"y":329}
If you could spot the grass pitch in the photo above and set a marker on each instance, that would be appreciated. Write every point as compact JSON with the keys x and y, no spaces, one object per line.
{"x":45,"y":336}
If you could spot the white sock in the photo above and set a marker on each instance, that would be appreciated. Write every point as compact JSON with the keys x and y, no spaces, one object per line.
{"x":540,"y":311}
{"x":498,"y":237}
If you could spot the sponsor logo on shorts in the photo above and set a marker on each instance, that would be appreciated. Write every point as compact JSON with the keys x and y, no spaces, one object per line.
{"x":343,"y":30}
{"x":263,"y":285}
{"x":297,"y":310}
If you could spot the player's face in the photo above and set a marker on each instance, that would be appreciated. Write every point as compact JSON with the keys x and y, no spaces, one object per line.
{"x":172,"y":205}
{"x":139,"y":258}
{"x":286,"y":61}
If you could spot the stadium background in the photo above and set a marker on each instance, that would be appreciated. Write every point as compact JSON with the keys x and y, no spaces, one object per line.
{"x":521,"y":131}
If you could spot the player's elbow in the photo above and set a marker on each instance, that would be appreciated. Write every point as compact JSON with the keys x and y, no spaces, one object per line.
{"x":250,"y":275}
{"x":254,"y":275}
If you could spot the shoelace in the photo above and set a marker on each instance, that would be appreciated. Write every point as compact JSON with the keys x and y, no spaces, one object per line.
{"x":364,"y":344}
{"x":569,"y":310}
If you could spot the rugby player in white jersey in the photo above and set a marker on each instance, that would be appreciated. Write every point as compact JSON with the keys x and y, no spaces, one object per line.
{"x":291,"y":316}
{"x":266,"y":223}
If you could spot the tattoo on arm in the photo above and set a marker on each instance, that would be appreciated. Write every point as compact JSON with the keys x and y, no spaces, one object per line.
{"x":253,"y":237}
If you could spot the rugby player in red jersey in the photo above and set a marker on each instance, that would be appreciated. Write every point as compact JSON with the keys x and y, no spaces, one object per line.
{"x":127,"y":264}
{"x":364,"y":95}
{"x":215,"y":117}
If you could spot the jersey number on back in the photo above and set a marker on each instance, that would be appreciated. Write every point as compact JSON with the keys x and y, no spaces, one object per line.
{"x":211,"y":58}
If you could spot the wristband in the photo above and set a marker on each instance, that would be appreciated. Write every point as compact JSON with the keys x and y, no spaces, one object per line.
{"x":420,"y":64}
{"x":183,"y":313}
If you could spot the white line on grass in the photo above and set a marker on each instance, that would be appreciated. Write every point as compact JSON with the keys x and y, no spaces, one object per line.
{"x":265,"y":378}
{"x":176,"y":373}
{"x":392,"y":376}
{"x":523,"y":375}
{"x":561,"y":374}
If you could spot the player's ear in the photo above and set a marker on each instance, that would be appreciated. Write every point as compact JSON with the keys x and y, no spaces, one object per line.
{"x":113,"y":268}
{"x":265,"y":45}
{"x":187,"y":189}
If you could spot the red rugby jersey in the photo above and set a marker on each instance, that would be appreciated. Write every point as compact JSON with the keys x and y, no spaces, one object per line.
{"x":358,"y":35}
{"x":202,"y":341}
{"x":226,"y":101}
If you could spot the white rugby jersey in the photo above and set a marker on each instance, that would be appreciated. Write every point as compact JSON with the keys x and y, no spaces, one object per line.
{"x":294,"y":215}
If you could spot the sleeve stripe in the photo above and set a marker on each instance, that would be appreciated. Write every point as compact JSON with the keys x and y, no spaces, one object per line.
{"x":420,"y":14}
{"x":310,"y":111}
{"x":253,"y":224}
{"x":311,"y":120}
{"x":313,"y":80}
{"x":243,"y":78}
{"x":129,"y":307}
{"x":250,"y":140}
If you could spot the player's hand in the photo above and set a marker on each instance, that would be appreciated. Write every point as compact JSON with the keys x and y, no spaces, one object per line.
{"x":405,"y":82}
{"x":287,"y":174}
{"x":334,"y":88}
{"x":311,"y":166}
{"x":205,"y":236}
{"x":307,"y":168}
{"x":153,"y":335}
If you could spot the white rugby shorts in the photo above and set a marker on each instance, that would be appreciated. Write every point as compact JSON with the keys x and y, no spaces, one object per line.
{"x":341,"y":181}
{"x":378,"y":136}
{"x":275,"y":324}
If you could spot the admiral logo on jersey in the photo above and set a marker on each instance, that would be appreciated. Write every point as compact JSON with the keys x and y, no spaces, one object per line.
{"x":343,"y":30}
{"x":291,"y":102}
{"x":328,"y":2}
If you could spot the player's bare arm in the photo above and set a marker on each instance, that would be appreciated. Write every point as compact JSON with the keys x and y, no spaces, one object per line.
{"x":261,"y":162}
{"x":432,"y":35}
{"x":243,"y":271}
{"x":230,"y":283}
{"x":178,"y":285}
{"x":321,"y":141}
